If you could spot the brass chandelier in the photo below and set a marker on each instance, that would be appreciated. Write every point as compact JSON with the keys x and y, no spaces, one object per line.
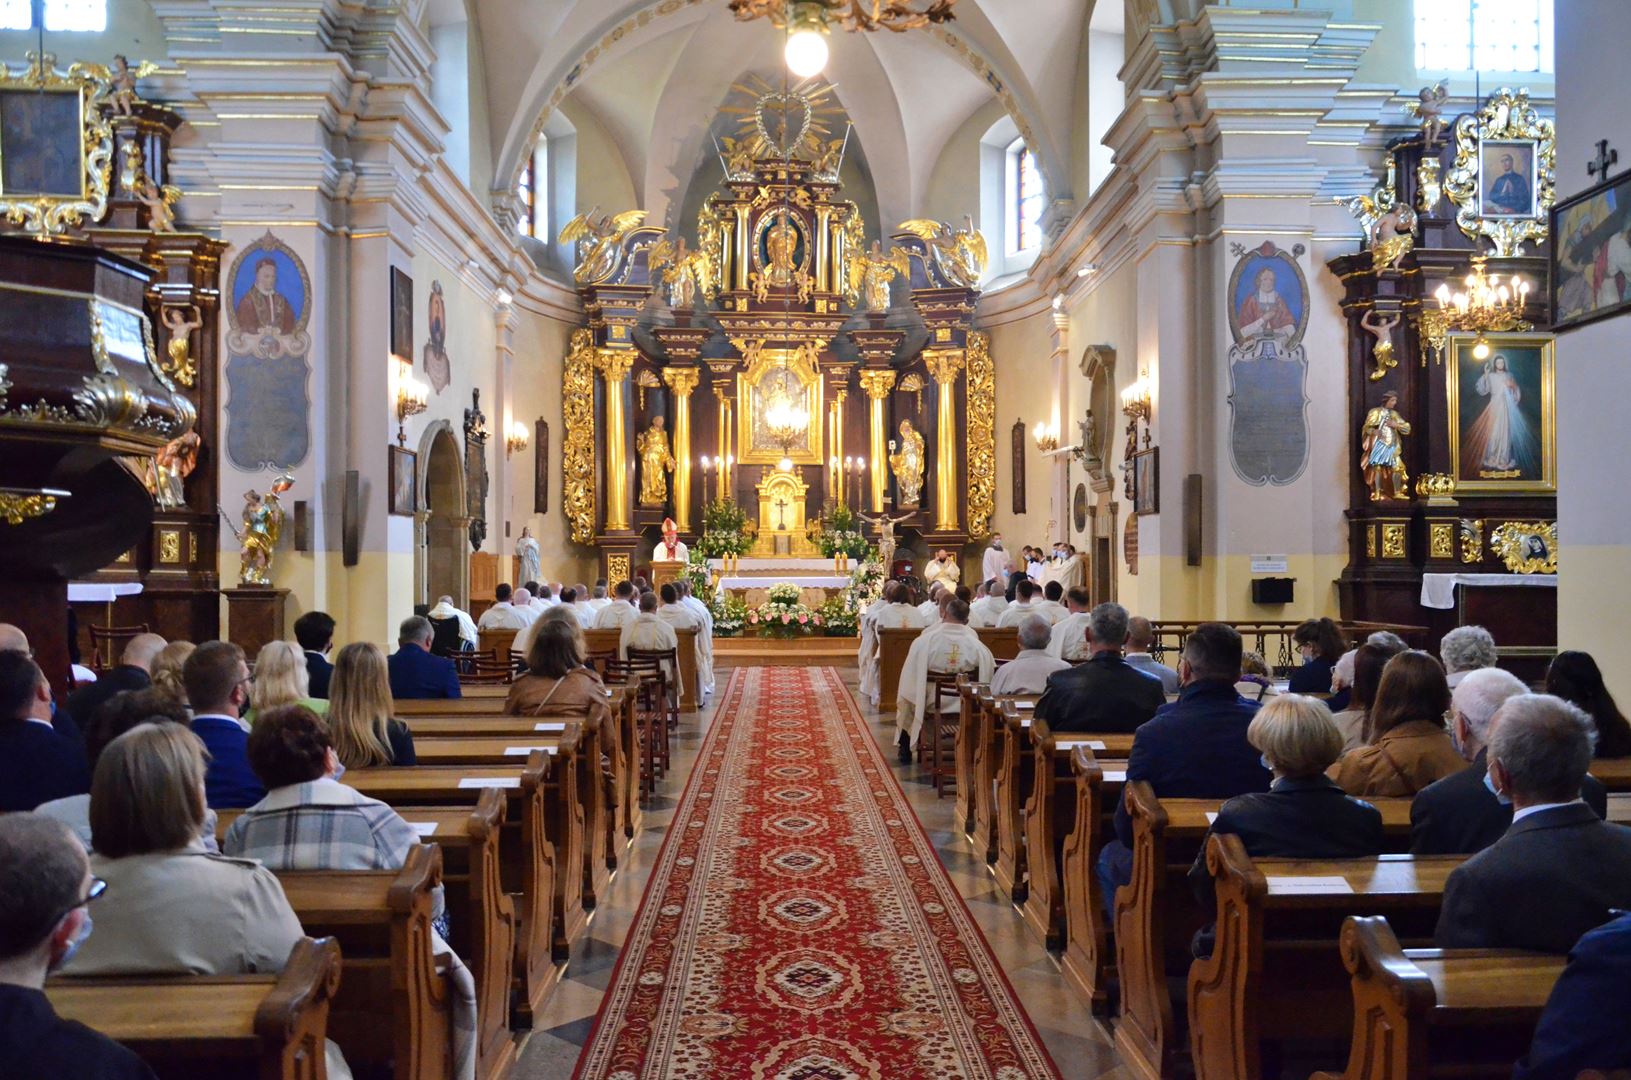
{"x":807,"y":22}
{"x":1488,"y":305}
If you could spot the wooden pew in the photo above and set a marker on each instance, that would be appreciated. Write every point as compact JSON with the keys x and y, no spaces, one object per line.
{"x":500,"y":642}
{"x":216,"y":1027}
{"x":1275,"y":972}
{"x":1017,"y":763}
{"x":1086,"y":960}
{"x":540,"y":852}
{"x":394,"y":1008}
{"x":1615,"y":773}
{"x":1002,"y":641}
{"x":985,"y":763}
{"x":1157,"y":915}
{"x":968,"y":713}
{"x":893,"y":645}
{"x":406,"y":709}
{"x":1435,"y":1012}
{"x":606,"y":641}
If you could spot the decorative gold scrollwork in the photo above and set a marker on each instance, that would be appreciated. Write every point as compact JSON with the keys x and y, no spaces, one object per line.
{"x":50,"y":214}
{"x":578,"y":451}
{"x":1506,"y":117}
{"x":1472,"y":540}
{"x":982,"y":434}
{"x":1526,"y":547}
{"x":17,"y":507}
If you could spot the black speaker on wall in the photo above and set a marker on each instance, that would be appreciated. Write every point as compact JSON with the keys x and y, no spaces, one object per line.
{"x":1272,"y":590}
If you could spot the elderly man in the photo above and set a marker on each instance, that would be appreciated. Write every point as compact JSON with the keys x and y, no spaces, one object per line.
{"x":894,"y":612}
{"x":415,"y":673}
{"x":1560,"y":870}
{"x":954,"y":647}
{"x":648,"y":631}
{"x":1140,"y":637}
{"x":135,"y":663}
{"x":1069,"y":640}
{"x":1466,"y":649}
{"x":1027,"y":673}
{"x":670,"y":548}
{"x":504,"y":614}
{"x":1106,"y":693}
{"x":600,"y":599}
{"x":621,"y":611}
{"x":943,"y":570}
{"x":932,"y":603}
{"x":1025,"y":603}
{"x":1460,"y":814}
{"x":996,"y":563}
{"x":445,"y":609}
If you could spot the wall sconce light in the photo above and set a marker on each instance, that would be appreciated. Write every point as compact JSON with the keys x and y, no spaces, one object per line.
{"x":1046,"y":437}
{"x":412,"y":398}
{"x":515,"y":438}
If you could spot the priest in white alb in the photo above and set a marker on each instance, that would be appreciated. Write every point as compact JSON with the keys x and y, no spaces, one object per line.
{"x":954,"y":647}
{"x":680,"y":617}
{"x":896,"y":613}
{"x":943,"y":570}
{"x":650,"y":632}
{"x":1069,"y":640}
{"x":988,"y":606}
{"x":930,"y":608}
{"x":869,"y":645}
{"x":444,"y":609}
{"x":705,"y":637}
{"x":621,"y":610}
{"x":996,"y":564}
{"x":670,"y":548}
{"x":1050,"y":607}
{"x":1027,"y":601}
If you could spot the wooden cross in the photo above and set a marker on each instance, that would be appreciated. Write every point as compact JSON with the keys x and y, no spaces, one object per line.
{"x":781,"y":516}
{"x":1606,"y":158}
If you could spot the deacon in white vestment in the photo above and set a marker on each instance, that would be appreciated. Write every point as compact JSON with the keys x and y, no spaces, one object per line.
{"x":987,"y":607}
{"x":648,"y":631}
{"x":1027,"y":601}
{"x":930,"y":608}
{"x":704,"y":621}
{"x":869,"y":647}
{"x":1027,"y":673}
{"x":996,"y":564}
{"x":954,"y":646}
{"x":670,"y":548}
{"x":943,"y":570}
{"x":675,"y":614}
{"x":444,"y":609}
{"x":599,"y":601}
{"x":896,"y":614}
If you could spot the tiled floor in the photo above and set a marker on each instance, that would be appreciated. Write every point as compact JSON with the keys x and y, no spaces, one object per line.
{"x":1079,"y":1044}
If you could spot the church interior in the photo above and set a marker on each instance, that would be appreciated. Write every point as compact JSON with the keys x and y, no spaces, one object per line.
{"x":915,"y":538}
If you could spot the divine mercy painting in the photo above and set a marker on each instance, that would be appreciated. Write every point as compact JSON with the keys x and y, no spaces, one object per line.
{"x":1501,"y":414}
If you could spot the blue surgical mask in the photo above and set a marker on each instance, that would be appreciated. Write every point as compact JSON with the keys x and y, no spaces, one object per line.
{"x":1264,"y":758}
{"x":1505,"y":800}
{"x":78,"y":940}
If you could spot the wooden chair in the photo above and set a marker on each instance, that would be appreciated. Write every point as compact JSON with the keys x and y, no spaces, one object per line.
{"x":937,"y":742}
{"x":669,"y":671}
{"x":112,"y":640}
{"x":652,"y":706}
{"x":445,"y":640}
{"x":486,"y":669}
{"x":216,"y":1027}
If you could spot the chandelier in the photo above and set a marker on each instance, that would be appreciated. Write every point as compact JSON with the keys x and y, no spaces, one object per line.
{"x":808,"y":21}
{"x":786,"y":419}
{"x":1488,"y":305}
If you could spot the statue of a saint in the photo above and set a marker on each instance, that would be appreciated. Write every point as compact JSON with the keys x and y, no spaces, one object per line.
{"x":781,"y":244}
{"x":172,"y":465}
{"x":1382,"y":447}
{"x":181,"y":367}
{"x":656,"y":462}
{"x":526,"y":550}
{"x":886,"y":537}
{"x":906,"y":461}
{"x":1091,"y":460}
{"x":870,"y":274}
{"x":262,"y":525}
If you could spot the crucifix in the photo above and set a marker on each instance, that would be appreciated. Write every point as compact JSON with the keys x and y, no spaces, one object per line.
{"x":1606,"y":158}
{"x":781,"y":514}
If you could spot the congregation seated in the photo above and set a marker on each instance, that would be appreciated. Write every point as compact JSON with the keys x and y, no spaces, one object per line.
{"x":1140,"y":638}
{"x":1026,"y":602}
{"x":1069,"y":641}
{"x":556,"y":676}
{"x":1408,"y":748}
{"x":1574,"y":677}
{"x":1029,"y":670}
{"x":1105,"y":694}
{"x":1256,"y":681}
{"x":1050,"y":606}
{"x":167,"y":671}
{"x":133,"y":672}
{"x":1320,"y":645}
{"x":649,"y":632}
{"x":37,"y":762}
{"x":281,"y":678}
{"x":217,"y":682}
{"x":620,"y":611}
{"x":62,"y":721}
{"x":45,"y":890}
{"x":415,"y":673}
{"x":1368,"y":663}
{"x":951,"y":647}
{"x":705,"y":633}
{"x":672,"y":610}
{"x":1342,"y":681}
{"x":315,"y":632}
{"x":455,"y":630}
{"x":601,"y":596}
{"x":929,"y":606}
{"x":988,"y":605}
{"x":1560,"y":870}
{"x":1582,"y":1031}
{"x":582,"y":606}
{"x":1193,"y":748}
{"x":568,"y":605}
{"x":544,"y":596}
{"x":366,"y":734}
{"x":1461,"y":814}
{"x":504,"y":614}
{"x":1465,"y":649}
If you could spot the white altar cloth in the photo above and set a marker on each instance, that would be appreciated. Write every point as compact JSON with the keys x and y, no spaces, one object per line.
{"x":96,"y":592}
{"x":763,"y":567}
{"x":1438,"y":590}
{"x":803,"y":581}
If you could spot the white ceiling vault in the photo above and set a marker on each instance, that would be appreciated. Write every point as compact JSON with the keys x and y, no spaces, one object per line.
{"x":655,"y":72}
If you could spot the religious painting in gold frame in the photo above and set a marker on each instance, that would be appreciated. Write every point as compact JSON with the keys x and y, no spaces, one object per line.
{"x":1502,"y":414}
{"x":771,"y":371}
{"x":56,"y":144}
{"x":1502,"y":180}
{"x":1526,"y":547}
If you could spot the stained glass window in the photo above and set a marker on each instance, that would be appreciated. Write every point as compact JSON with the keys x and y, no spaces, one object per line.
{"x":532,"y":192}
{"x":1025,"y":197}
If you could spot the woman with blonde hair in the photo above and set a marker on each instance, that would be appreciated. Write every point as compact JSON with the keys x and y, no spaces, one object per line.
{"x":166,"y":670}
{"x":365,"y":733}
{"x":281,"y":678}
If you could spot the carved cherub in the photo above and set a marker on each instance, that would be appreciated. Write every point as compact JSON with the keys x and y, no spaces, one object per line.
{"x":1382,"y":351}
{"x":1392,"y":236}
{"x":181,"y":367}
{"x":123,"y":82}
{"x":160,"y":203}
{"x":1430,"y":110}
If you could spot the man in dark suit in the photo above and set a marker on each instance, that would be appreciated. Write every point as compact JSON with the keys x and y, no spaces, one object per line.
{"x":1559,"y":871}
{"x":217,"y":682}
{"x":315,"y":632}
{"x":415,"y":673}
{"x":1106,"y":694}
{"x":1195,"y":748}
{"x":12,"y":639}
{"x":131,"y":674}
{"x":1460,"y":814}
{"x":37,"y":763}
{"x":1584,"y":1025}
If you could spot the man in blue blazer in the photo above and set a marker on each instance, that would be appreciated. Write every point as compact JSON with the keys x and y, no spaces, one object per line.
{"x":217,"y":682}
{"x":1584,"y":1025}
{"x":1194,"y":748}
{"x":415,"y":673}
{"x":37,"y":763}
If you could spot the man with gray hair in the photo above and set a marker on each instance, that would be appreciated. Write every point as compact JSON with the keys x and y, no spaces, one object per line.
{"x":1466,"y":649}
{"x":1104,"y":694}
{"x":1460,"y":814}
{"x":1140,"y":637}
{"x":1027,"y":673}
{"x":415,"y":673}
{"x":1560,"y":870}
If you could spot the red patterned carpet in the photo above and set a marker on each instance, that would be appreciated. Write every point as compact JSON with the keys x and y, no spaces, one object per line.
{"x":798,"y":925}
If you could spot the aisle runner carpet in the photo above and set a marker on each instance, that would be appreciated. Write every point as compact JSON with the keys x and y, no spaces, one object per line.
{"x":798,"y":925}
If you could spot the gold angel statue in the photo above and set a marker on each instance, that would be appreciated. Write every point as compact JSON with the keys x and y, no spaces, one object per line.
{"x":1392,"y":236}
{"x":686,"y":273}
{"x":737,"y":155}
{"x":656,"y":462}
{"x":870,"y":274}
{"x":262,"y":525}
{"x":1382,"y":330}
{"x":181,"y":367}
{"x":1429,"y":109}
{"x":906,"y":462}
{"x":960,"y":255}
{"x":599,"y":240}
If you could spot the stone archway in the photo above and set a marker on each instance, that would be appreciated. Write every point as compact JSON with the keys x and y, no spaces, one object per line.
{"x":441,"y":542}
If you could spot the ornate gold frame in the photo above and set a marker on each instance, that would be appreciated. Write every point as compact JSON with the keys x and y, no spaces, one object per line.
{"x":578,"y":447}
{"x":50,"y":215}
{"x":1509,"y":541}
{"x":1460,"y":344}
{"x":1506,"y":117}
{"x":802,"y":363}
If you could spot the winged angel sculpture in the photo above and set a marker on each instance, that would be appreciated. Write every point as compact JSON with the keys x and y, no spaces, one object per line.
{"x":959,"y":255}
{"x":687,"y":272}
{"x":869,"y":275}
{"x":598,"y":240}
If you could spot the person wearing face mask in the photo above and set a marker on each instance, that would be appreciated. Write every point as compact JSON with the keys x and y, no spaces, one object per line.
{"x":37,"y":763}
{"x":218,"y":682}
{"x":1461,"y":814}
{"x":996,"y":562}
{"x":46,"y":889}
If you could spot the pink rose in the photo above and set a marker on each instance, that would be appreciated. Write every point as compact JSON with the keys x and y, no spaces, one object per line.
{"x":786,"y":619}
{"x":803,"y":619}
{"x":753,"y":618}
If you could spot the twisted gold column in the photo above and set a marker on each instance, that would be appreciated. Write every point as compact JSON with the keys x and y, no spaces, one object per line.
{"x":682,"y":381}
{"x":877,"y":383}
{"x":614,"y":369}
{"x":944,"y":366}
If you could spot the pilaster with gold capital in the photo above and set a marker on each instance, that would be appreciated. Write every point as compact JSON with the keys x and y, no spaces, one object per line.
{"x":944,"y":366}
{"x":877,"y":383}
{"x":614,"y":365}
{"x":682,"y":381}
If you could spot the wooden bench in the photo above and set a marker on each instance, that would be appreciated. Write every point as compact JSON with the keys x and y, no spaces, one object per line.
{"x":1085,"y":963}
{"x":216,"y":1027}
{"x":1615,"y":773}
{"x":984,"y":762}
{"x":1003,"y":641}
{"x":968,"y":712}
{"x":894,"y":642}
{"x":606,"y":641}
{"x":1275,"y":972}
{"x":393,"y":1013}
{"x":1439,"y":1012}
{"x":500,"y":642}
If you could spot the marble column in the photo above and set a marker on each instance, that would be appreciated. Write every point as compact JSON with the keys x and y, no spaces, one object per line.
{"x":945,"y":365}
{"x":614,"y":369}
{"x":878,"y":383}
{"x":682,"y":381}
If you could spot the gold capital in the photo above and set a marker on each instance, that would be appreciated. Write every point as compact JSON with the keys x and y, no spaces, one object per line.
{"x":944,"y":364}
{"x":681,"y":380}
{"x":877,"y":382}
{"x":614,"y":364}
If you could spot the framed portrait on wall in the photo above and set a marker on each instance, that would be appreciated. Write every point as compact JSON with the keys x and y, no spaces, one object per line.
{"x":401,"y":315}
{"x":1147,"y":481}
{"x":404,"y":482}
{"x":1503,"y":414}
{"x":1506,"y":178}
{"x":1591,"y":254}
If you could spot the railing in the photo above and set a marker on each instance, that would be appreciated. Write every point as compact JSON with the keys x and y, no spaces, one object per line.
{"x":1273,"y":640}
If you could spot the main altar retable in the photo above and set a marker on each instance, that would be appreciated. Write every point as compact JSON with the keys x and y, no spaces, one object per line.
{"x":829,"y":388}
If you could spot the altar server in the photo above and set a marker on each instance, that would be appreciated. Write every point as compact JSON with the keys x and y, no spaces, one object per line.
{"x":669,"y":548}
{"x":953,"y":647}
{"x":996,"y":564}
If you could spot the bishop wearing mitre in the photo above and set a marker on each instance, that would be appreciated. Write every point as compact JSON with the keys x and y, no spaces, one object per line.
{"x":670,"y":548}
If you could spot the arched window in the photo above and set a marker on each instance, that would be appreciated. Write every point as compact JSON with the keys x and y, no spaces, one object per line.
{"x":1023,"y":195}
{"x":90,"y":16}
{"x":1500,"y":36}
{"x":532,"y":192}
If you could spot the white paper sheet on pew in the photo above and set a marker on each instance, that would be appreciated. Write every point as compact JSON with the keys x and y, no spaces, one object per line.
{"x":1023,"y":705}
{"x":1211,"y":817}
{"x":470,"y":782}
{"x":523,"y":751}
{"x":1283,"y":886}
{"x":424,"y":828}
{"x":1115,"y":776}
{"x":1091,"y":744}
{"x":557,"y":726}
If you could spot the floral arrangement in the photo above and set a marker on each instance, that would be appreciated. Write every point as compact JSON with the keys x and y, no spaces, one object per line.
{"x":701,"y":579}
{"x":839,"y":619}
{"x":865,"y":584}
{"x":783,"y":616}
{"x":841,"y":535}
{"x":724,"y":530}
{"x":730,"y":615}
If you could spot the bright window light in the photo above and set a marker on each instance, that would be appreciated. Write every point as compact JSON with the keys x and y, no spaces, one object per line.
{"x":1504,"y":36}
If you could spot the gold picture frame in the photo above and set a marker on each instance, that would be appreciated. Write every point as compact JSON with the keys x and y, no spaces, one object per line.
{"x":1526,"y":547}
{"x":56,"y":144}
{"x":755,"y":446}
{"x":1495,"y":198}
{"x":1502,"y":414}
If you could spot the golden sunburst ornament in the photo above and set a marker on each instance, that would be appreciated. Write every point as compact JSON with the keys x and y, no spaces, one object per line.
{"x":783,"y":122}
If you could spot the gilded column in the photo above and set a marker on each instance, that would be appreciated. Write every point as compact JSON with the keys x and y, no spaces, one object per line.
{"x":838,"y":440}
{"x":722,"y":393}
{"x":821,"y":259}
{"x":877,"y":383}
{"x":614,"y":369}
{"x":944,"y":366}
{"x":742,"y":245}
{"x":682,"y":381}
{"x":727,"y":251}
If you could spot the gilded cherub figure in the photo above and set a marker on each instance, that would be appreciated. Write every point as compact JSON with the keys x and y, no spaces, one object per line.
{"x":1382,"y":351}
{"x":1429,"y":108}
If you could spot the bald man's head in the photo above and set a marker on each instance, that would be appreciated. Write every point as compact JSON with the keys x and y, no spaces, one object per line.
{"x":13,"y":639}
{"x":142,"y":650}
